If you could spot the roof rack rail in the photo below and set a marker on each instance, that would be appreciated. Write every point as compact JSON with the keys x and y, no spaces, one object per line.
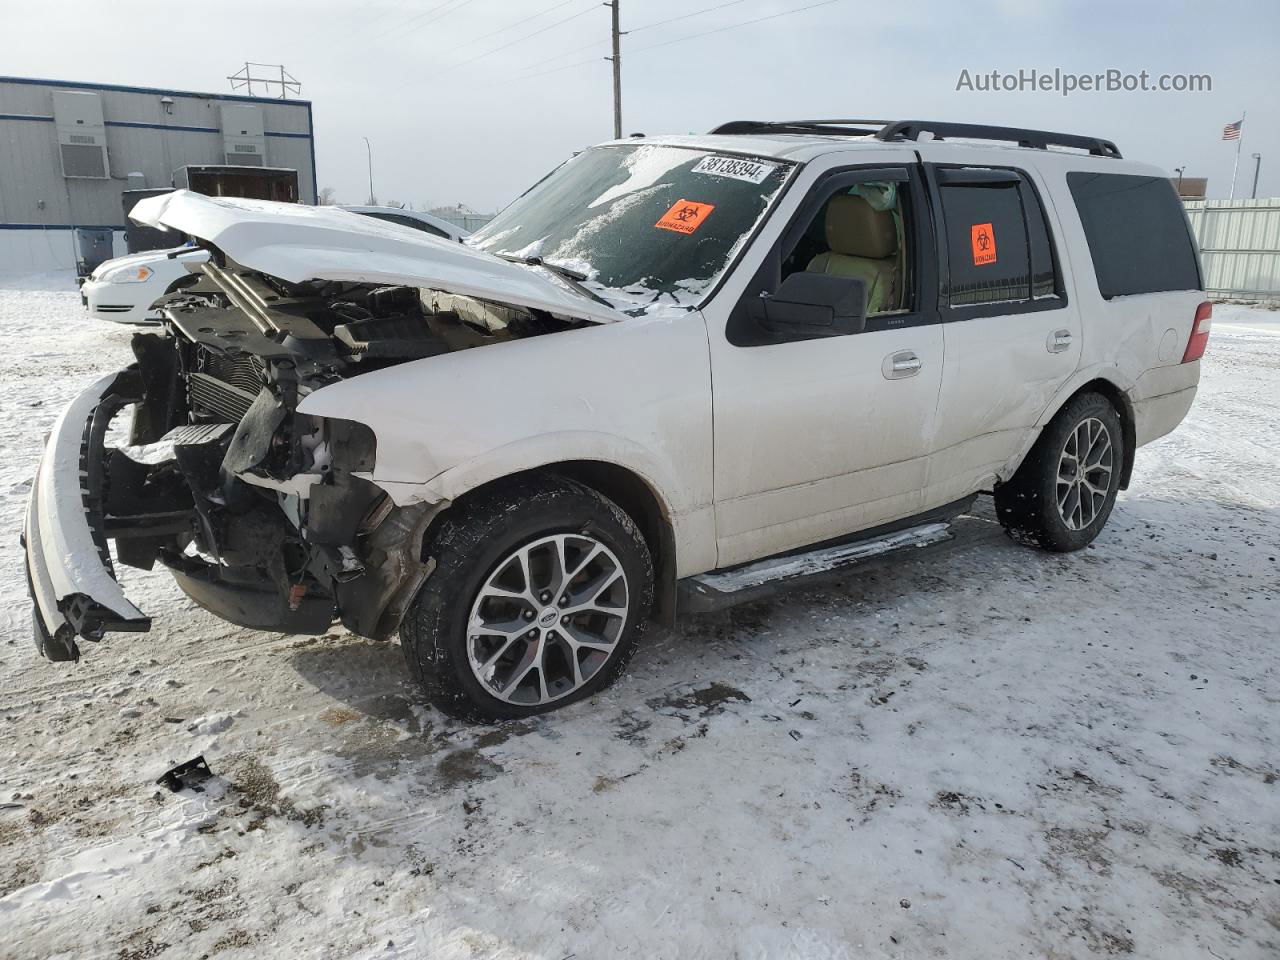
{"x":912,"y":129}
{"x":844,"y":128}
{"x":1036,"y":139}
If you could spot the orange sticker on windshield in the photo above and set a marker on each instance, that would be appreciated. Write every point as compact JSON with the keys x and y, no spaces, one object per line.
{"x":685,"y":217}
{"x":983,"y":240}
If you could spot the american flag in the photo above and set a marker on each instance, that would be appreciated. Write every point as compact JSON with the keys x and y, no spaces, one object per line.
{"x":1232,"y":130}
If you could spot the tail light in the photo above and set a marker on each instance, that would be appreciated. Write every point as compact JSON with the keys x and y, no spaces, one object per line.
{"x":1199,"y":338}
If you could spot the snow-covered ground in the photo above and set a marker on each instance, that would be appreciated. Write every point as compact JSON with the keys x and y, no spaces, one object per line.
{"x":993,"y":753}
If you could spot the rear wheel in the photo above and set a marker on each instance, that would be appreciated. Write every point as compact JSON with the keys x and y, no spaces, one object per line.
{"x":1063,"y":493}
{"x":539,"y":595}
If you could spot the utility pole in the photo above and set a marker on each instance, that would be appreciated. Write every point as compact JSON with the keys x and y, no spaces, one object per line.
{"x":617,"y":70}
{"x":1257,"y":165}
{"x":373,"y":201}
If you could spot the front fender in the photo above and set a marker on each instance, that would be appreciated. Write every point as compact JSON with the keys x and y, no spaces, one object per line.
{"x":692,"y":523}
{"x":540,"y":451}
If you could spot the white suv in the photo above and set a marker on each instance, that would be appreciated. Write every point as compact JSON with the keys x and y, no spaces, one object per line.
{"x":668,"y":362}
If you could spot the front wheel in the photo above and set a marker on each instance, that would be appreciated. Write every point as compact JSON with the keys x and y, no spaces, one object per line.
{"x":540,"y":593}
{"x":1063,"y":493}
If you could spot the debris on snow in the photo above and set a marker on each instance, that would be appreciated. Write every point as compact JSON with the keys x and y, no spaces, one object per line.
{"x":186,"y":776}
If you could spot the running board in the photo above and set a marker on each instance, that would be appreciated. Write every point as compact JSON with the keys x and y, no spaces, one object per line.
{"x":718,"y":589}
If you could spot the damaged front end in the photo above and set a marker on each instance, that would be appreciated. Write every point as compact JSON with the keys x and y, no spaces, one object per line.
{"x":69,"y":574}
{"x":265,"y":516}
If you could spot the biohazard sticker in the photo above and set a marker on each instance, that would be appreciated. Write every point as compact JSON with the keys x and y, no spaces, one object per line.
{"x":685,"y":216}
{"x":983,"y":240}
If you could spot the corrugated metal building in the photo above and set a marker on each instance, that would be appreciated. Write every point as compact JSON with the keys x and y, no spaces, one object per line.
{"x":68,"y":150}
{"x":1239,"y":245}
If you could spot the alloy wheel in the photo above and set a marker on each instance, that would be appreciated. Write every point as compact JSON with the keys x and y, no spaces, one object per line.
{"x":547,"y":619}
{"x":1084,"y":473}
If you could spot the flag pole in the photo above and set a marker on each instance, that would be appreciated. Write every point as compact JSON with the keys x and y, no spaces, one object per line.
{"x":1236,"y":166}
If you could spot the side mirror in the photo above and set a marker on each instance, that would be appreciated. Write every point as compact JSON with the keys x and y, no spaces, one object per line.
{"x":811,"y":305}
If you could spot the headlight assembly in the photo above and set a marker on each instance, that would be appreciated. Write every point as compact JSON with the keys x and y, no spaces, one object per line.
{"x":127,"y":273}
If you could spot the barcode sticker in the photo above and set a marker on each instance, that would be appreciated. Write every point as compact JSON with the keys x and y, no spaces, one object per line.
{"x":752,"y":171}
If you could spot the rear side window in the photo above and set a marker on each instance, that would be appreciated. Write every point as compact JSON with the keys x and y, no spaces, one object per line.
{"x":1137,"y":232}
{"x":998,"y":243}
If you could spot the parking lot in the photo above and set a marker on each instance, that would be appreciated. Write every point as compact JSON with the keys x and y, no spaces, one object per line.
{"x":994,"y":753}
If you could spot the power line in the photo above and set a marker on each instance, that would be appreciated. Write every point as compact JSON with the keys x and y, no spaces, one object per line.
{"x":685,"y":16}
{"x":527,"y":36}
{"x":734,"y":26}
{"x":426,"y":13}
{"x":439,"y":16}
{"x":647,"y":26}
{"x":374,"y":21}
{"x":518,"y":23}
{"x":567,"y":66}
{"x":692,"y":36}
{"x":414,"y":24}
{"x":565,"y":53}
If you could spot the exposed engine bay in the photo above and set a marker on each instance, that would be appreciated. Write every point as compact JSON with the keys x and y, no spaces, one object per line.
{"x":264,"y":515}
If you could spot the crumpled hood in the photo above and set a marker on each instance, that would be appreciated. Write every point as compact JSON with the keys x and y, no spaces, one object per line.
{"x":298,"y":243}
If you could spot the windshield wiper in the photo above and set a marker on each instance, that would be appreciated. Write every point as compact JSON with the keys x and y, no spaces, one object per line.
{"x":566,"y":272}
{"x":575,"y":277}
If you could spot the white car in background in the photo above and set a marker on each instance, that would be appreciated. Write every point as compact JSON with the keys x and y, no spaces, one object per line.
{"x":123,"y":290}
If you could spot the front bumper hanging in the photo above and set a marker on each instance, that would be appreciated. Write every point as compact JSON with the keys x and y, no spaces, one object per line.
{"x":73,"y":587}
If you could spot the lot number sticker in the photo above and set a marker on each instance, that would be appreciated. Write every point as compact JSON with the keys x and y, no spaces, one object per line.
{"x":983,"y":240}
{"x":685,"y":216}
{"x":749,"y":170}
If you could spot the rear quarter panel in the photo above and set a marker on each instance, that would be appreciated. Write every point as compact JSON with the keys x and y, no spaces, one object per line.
{"x":1135,"y":342}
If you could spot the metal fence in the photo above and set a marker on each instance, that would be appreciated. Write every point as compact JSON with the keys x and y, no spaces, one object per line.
{"x":467,"y":221}
{"x":1240,"y":246}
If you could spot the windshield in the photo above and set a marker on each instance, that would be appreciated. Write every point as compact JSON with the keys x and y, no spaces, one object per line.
{"x":646,"y":224}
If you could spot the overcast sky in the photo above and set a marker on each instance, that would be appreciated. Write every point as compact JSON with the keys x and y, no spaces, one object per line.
{"x":450,"y":121}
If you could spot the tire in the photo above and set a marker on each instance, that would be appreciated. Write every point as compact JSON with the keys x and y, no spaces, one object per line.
{"x":1050,"y":501}
{"x":467,"y":635}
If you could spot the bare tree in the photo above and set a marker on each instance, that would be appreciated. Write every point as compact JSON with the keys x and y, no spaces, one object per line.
{"x":327,"y":196}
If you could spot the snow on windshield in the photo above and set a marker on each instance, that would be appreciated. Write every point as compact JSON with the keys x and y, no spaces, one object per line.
{"x":644,"y":166}
{"x":576,"y":250}
{"x":647,"y":224}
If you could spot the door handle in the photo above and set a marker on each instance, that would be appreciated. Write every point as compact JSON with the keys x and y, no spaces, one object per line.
{"x":1058,"y":341}
{"x":899,"y":365}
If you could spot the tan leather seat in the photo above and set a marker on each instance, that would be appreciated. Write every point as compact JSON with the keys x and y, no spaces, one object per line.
{"x":863,"y":243}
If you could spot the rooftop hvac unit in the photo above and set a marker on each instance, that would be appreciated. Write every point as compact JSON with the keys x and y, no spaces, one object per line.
{"x":82,"y":136}
{"x":243,"y":141}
